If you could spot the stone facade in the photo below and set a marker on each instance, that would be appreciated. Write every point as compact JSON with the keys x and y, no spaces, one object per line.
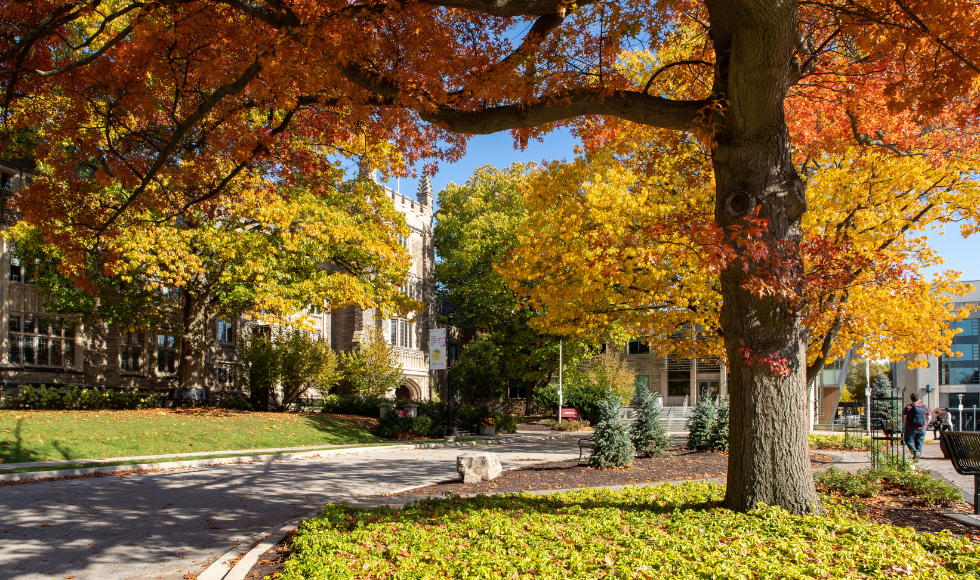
{"x":39,"y":348}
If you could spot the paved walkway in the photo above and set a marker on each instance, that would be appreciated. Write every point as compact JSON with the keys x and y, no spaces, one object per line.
{"x":164,"y":525}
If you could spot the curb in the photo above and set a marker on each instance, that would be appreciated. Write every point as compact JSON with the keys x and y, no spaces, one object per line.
{"x":148,"y":467}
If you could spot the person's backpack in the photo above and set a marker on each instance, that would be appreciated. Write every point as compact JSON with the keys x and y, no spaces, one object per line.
{"x":918,"y":416}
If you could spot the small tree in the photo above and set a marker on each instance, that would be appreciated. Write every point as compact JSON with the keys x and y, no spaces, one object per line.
{"x":719,"y":431}
{"x":305,"y":364}
{"x":261,"y":369}
{"x":611,"y":446}
{"x":371,"y":369}
{"x":282,"y":368}
{"x":477,"y":375}
{"x":702,"y":424}
{"x":648,"y":433}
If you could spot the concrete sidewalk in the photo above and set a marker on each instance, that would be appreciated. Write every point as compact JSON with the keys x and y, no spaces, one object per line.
{"x":166,"y":525}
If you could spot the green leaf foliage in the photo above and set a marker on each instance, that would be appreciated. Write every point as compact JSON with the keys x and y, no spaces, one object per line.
{"x":75,"y":398}
{"x":661,"y":531}
{"x":702,"y":426}
{"x":280,"y":369}
{"x":477,"y":376}
{"x":718,"y":439}
{"x":611,"y":446}
{"x":868,"y":482}
{"x":648,"y":432}
{"x":371,"y":370}
{"x":476,"y":225}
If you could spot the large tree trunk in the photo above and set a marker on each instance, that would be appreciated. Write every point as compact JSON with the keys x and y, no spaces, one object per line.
{"x":768,"y":459}
{"x":193,"y":338}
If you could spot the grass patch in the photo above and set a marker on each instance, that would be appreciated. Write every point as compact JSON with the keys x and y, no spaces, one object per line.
{"x":68,"y":435}
{"x":639,"y":532}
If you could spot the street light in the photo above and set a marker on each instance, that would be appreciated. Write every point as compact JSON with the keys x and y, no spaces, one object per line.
{"x":961,"y":411}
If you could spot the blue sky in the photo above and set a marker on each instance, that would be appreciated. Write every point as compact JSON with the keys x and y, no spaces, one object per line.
{"x":498,"y":150}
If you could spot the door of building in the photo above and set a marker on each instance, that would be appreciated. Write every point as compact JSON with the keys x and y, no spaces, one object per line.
{"x":709,"y":389}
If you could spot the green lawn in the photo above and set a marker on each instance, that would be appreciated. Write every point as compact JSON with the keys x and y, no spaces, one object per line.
{"x":57,"y":435}
{"x":652,"y":532}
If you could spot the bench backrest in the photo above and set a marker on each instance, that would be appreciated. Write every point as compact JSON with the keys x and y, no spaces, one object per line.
{"x":963,"y":450}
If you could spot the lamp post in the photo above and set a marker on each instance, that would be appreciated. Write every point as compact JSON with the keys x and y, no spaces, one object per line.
{"x":961,"y":411}
{"x":560,"y":401}
{"x":867,"y":407}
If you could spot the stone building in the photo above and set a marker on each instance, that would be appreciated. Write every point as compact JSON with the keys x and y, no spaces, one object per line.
{"x":43,"y":348}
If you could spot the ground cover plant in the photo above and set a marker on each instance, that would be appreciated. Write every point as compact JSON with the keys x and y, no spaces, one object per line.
{"x":57,"y":435}
{"x":639,"y":532}
{"x":840,"y":442}
{"x":870,"y":482}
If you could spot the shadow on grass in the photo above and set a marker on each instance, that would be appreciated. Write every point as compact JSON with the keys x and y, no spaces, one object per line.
{"x":343,"y":430}
{"x":14,"y":451}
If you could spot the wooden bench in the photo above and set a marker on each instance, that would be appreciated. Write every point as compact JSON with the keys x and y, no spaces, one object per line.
{"x":963,"y":449}
{"x":583,"y":444}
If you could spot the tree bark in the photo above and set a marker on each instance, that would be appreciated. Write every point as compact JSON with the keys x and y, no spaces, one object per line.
{"x":193,"y":338}
{"x":768,"y":461}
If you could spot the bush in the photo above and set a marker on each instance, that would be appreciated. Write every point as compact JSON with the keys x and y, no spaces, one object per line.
{"x":470,"y":416}
{"x":648,"y":433}
{"x":392,"y":426}
{"x":611,"y":446}
{"x":371,"y":370}
{"x":868,"y":482}
{"x":362,"y":405}
{"x":718,"y":440}
{"x":859,"y":484}
{"x":281,"y":369}
{"x":570,"y":425}
{"x":46,"y":398}
{"x":477,"y":375}
{"x":702,"y":426}
{"x":839,"y":442}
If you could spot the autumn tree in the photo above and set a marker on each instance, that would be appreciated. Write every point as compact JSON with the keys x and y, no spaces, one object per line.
{"x":271,"y":252}
{"x":174,"y":99}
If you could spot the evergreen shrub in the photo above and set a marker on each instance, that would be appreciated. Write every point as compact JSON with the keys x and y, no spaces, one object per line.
{"x":718,"y":440}
{"x":611,"y":445}
{"x":648,"y":433}
{"x":702,"y":425}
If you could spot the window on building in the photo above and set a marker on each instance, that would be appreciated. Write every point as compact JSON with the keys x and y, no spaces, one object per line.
{"x":516,"y":389}
{"x":226,"y":331}
{"x":5,"y":181}
{"x":225,"y":376}
{"x":678,"y":377}
{"x":453,"y":353}
{"x":40,"y":341}
{"x":166,"y":353}
{"x":963,"y":368}
{"x":402,"y":333}
{"x":130,"y":351}
{"x":262,"y":330}
{"x":638,"y":347}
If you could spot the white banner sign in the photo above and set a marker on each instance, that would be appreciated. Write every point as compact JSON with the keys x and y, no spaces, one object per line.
{"x":438,"y":349}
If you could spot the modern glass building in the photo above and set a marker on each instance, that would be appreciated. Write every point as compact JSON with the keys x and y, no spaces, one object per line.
{"x":948,"y":381}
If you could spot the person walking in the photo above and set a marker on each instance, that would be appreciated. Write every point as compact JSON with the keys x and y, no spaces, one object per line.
{"x":916,"y":418}
{"x":945,"y":422}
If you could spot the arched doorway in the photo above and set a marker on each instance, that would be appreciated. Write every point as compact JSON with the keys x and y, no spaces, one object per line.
{"x":409,"y":390}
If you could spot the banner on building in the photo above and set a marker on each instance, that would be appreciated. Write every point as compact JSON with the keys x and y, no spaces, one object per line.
{"x":438,"y":349}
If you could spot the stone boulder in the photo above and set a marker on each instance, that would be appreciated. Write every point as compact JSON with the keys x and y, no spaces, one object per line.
{"x":477,"y":467}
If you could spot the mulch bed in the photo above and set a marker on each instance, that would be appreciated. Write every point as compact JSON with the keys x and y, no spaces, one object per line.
{"x":896,"y":507}
{"x":682,"y":464}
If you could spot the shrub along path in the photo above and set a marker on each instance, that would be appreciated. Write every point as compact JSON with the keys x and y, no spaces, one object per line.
{"x":29,"y":436}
